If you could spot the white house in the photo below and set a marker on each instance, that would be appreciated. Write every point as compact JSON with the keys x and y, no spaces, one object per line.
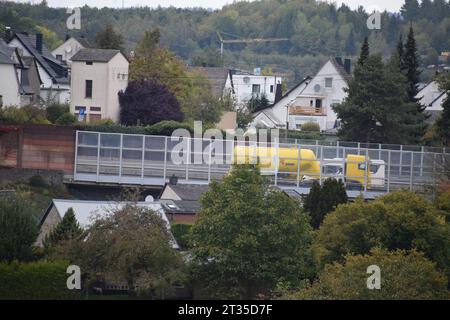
{"x":245,"y":85}
{"x":97,"y":77}
{"x":276,"y":115}
{"x":86,"y":212}
{"x":69,"y":48}
{"x":10,"y":82}
{"x":20,"y":83}
{"x":433,"y":98}
{"x":325,"y":89}
{"x":52,"y":72}
{"x":311,"y":100}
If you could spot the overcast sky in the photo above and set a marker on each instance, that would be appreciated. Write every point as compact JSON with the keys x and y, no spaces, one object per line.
{"x":390,"y":5}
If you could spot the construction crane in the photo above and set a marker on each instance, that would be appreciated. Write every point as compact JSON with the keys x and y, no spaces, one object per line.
{"x":248,"y":40}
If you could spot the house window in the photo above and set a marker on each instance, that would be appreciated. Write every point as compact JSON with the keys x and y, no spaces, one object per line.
{"x":271,"y":89}
{"x":88,"y":91}
{"x":89,"y":63}
{"x":59,"y":57}
{"x":298,"y":126}
{"x":256,"y":89}
{"x":328,"y":82}
{"x":96,"y":109}
{"x":318,"y":105}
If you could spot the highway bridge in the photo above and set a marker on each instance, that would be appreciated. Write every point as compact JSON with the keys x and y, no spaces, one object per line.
{"x":128,"y":159}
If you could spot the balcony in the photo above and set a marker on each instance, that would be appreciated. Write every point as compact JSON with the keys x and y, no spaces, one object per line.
{"x":306,"y":111}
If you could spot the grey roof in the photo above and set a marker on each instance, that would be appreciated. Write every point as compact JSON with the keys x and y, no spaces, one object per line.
{"x":216,"y":76}
{"x":83,"y":41}
{"x":188,"y":192}
{"x":189,"y":207}
{"x":98,"y":55}
{"x":347,"y":77}
{"x":6,"y":53}
{"x":55,"y":68}
{"x":307,"y":78}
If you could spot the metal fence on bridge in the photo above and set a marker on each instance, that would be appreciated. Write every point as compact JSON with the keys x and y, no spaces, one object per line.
{"x":152,"y":160}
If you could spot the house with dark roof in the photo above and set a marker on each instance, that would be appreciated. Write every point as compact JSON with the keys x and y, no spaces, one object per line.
{"x":217,"y":78}
{"x":276,"y":115}
{"x":20,"y":83}
{"x":312,"y":100}
{"x":181,"y":202}
{"x":97,"y":76}
{"x":432,"y":97}
{"x":52,"y":73}
{"x":69,"y":48}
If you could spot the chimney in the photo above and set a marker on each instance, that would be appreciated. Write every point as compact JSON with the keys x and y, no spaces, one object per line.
{"x":67,"y":37}
{"x":348,"y":66}
{"x":339,"y":61}
{"x":278,"y":93}
{"x":39,"y":42}
{"x":173,"y":180}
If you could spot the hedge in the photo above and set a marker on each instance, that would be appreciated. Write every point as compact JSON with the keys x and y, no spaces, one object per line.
{"x":35,"y":280}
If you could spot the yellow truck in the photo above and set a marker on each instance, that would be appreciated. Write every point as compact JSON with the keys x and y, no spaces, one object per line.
{"x":284,"y":161}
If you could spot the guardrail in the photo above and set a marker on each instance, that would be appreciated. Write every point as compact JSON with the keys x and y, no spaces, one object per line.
{"x":149,"y":160}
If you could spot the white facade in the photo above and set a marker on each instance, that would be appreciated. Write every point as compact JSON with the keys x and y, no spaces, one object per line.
{"x":276,"y":115}
{"x":9,"y":85}
{"x":246,"y":86}
{"x":107,"y":79}
{"x":431,"y":97}
{"x":67,"y":50}
{"x":59,"y":92}
{"x":315,"y":102}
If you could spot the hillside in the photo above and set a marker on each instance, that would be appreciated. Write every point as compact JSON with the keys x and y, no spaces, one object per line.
{"x":316,"y":30}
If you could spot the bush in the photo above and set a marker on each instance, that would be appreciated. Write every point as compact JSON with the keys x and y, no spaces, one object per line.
{"x":311,"y":127}
{"x":18,"y":229}
{"x":181,"y":234}
{"x":165,"y":128}
{"x":398,"y":220}
{"x":55,"y":110}
{"x":301,"y":135}
{"x":404,"y":275}
{"x":66,"y":119}
{"x":35,"y":280}
{"x":38,"y":182}
{"x":23,"y":115}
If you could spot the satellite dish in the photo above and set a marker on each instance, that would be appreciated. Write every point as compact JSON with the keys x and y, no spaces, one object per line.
{"x":149,"y":199}
{"x":246,"y":79}
{"x":317,"y":88}
{"x":68,"y":49}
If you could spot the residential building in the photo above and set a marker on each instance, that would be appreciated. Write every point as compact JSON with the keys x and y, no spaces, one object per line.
{"x":217,"y":77}
{"x":69,"y":48}
{"x":432,"y":98}
{"x":53,"y":73}
{"x":311,"y":100}
{"x":181,"y":202}
{"x":97,"y":76}
{"x":245,"y":85}
{"x":316,"y":101}
{"x":86,"y":212}
{"x":276,"y":115}
{"x":20,"y":78}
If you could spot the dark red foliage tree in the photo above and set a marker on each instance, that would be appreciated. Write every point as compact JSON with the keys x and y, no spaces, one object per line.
{"x":148,"y":102}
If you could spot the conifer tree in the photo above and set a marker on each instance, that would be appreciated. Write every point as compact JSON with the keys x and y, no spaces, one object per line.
{"x":365,"y":51}
{"x":410,"y":64}
{"x":67,"y":229}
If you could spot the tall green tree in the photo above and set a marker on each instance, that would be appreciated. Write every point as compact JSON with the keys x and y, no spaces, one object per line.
{"x":248,"y":238}
{"x":67,"y":229}
{"x":18,"y":228}
{"x":109,"y":39}
{"x":375,"y":109}
{"x":410,"y":63}
{"x":322,"y":200}
{"x":365,"y":51}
